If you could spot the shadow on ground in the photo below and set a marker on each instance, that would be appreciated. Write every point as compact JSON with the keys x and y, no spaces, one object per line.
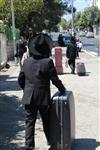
{"x":11,"y":121}
{"x":85,"y":144}
{"x":8,"y":83}
{"x":11,"y":117}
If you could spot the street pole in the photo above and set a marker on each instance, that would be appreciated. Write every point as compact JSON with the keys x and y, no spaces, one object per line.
{"x":95,"y":27}
{"x":13,"y":29}
{"x":72,"y":18}
{"x":98,"y":38}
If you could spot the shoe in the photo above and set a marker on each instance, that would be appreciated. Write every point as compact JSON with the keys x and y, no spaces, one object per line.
{"x":53,"y":147}
{"x":72,"y":72}
{"x":31,"y":148}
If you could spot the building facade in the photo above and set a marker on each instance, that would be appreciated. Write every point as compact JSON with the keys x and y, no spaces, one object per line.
{"x":97,"y":3}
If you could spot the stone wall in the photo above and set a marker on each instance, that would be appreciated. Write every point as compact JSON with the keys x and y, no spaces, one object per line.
{"x":10,"y":51}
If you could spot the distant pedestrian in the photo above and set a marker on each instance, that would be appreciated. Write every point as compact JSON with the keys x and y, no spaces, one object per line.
{"x":77,"y":43}
{"x":80,"y":45}
{"x":20,"y":49}
{"x":60,"y":40}
{"x":71,"y":54}
{"x":34,"y":79}
{"x":25,"y":55}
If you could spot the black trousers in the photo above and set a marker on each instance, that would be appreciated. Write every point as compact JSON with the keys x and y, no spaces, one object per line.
{"x":77,"y":52}
{"x":31,"y":116}
{"x":71,"y":63}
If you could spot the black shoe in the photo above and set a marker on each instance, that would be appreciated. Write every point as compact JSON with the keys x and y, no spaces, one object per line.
{"x":30,"y":148}
{"x":72,"y":72}
{"x":53,"y":147}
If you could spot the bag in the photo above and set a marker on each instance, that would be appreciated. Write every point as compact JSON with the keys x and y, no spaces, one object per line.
{"x":80,"y":67}
{"x":62,"y":121}
{"x":66,"y":63}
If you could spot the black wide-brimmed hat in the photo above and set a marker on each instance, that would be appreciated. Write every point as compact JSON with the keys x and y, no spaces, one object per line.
{"x":40,"y":45}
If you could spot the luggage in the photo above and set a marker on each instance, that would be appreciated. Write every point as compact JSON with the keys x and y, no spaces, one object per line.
{"x":66,"y":63}
{"x":80,"y":67}
{"x":62,"y":121}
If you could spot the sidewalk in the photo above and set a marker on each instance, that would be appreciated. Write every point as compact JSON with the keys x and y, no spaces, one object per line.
{"x":87,"y":105}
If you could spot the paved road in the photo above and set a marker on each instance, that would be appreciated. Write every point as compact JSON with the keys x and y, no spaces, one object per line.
{"x":91,"y":45}
{"x":12,"y":117}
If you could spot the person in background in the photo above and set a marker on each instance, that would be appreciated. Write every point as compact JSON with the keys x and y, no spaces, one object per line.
{"x":71,"y":54}
{"x":25,"y":55}
{"x":37,"y":72}
{"x":80,"y":45}
{"x":77,"y":43}
{"x":20,"y":49}
{"x":60,"y":40}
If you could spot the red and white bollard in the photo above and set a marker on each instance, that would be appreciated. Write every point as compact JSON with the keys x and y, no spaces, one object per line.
{"x":58,"y":60}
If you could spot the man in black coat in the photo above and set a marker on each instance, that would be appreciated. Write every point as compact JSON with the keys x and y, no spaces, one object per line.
{"x":20,"y":49}
{"x":60,"y":40}
{"x":71,"y":54}
{"x":35,"y":78}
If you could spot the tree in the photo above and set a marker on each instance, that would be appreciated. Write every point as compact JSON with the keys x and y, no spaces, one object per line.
{"x":2,"y":2}
{"x":50,"y":14}
{"x":64,"y":24}
{"x":87,"y":18}
{"x":37,"y":14}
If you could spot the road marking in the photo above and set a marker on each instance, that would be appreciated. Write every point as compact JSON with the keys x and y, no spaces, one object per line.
{"x":93,"y":54}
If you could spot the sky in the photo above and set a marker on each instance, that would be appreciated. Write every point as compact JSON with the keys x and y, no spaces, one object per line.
{"x":79,"y":5}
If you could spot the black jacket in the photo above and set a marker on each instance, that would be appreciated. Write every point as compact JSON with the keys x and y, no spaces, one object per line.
{"x":71,"y":52}
{"x":35,"y":80}
{"x":20,"y":49}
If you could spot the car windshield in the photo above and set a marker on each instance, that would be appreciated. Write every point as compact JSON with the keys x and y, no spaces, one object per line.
{"x":67,"y":38}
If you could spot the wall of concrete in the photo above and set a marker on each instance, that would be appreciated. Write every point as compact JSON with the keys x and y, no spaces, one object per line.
{"x":10,"y":51}
{"x":3,"y":50}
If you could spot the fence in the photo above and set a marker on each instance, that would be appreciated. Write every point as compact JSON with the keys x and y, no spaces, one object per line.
{"x":9,"y":33}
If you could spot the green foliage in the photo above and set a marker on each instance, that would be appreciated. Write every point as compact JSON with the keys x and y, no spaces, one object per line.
{"x":9,"y":33}
{"x":2,"y":29}
{"x":64,"y":24}
{"x":46,"y":14}
{"x":2,"y":2}
{"x":89,"y":17}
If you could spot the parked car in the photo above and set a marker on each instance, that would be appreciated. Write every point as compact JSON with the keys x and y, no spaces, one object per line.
{"x":66,"y":40}
{"x":90,"y":35}
{"x":82,"y":34}
{"x":54,"y":37}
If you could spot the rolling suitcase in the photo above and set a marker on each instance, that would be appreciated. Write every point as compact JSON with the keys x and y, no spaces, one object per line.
{"x":80,"y":67}
{"x":62,"y":121}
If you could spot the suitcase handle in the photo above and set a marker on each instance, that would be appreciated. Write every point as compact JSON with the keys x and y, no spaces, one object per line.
{"x":59,"y":94}
{"x":58,"y":97}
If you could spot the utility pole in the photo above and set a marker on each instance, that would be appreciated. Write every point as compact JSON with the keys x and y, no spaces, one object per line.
{"x":13,"y":28}
{"x":72,"y":17}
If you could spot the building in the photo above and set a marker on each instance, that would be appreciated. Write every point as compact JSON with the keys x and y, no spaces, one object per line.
{"x":97,"y":3}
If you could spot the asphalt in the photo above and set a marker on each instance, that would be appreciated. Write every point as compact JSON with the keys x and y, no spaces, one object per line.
{"x":86,"y":91}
